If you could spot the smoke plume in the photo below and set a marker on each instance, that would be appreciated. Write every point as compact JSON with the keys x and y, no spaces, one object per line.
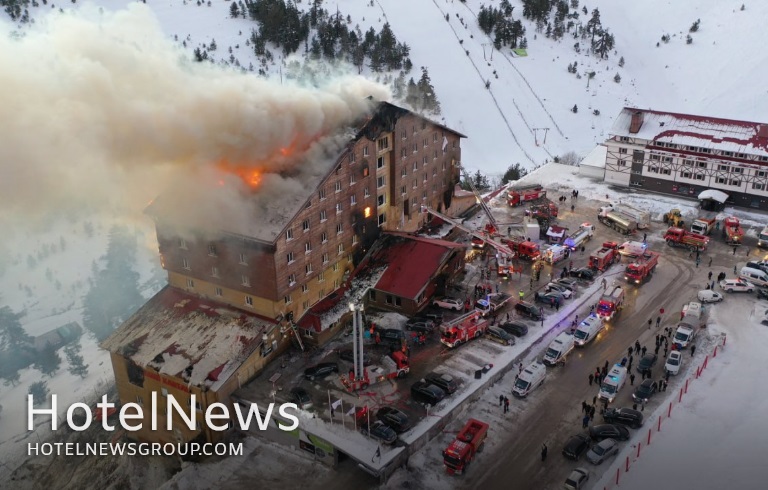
{"x":103,"y":110}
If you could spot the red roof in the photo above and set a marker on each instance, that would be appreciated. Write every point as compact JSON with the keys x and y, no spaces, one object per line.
{"x":411,"y":263}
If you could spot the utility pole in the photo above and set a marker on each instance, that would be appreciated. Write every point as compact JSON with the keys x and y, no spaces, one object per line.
{"x":536,"y":135}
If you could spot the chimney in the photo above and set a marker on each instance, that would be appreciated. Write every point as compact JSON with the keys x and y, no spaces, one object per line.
{"x":762,"y":131}
{"x":636,"y":123}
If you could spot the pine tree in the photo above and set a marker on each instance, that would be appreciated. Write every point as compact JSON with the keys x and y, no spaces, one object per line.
{"x":77,"y":366}
{"x":234,"y":11}
{"x":575,"y":109}
{"x":514,"y":172}
{"x":695,"y":26}
{"x":617,"y":78}
{"x":48,"y":361}
{"x":39,"y":391}
{"x":621,"y":62}
{"x":12,"y":333}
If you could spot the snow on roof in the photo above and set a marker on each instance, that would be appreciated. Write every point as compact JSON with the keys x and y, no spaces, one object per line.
{"x":355,"y":295}
{"x":713,"y":194}
{"x":699,"y":131}
{"x":596,"y":157}
{"x":181,"y":335}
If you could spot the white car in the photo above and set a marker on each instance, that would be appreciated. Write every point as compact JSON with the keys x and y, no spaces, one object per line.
{"x":709,"y":296}
{"x":449,"y":303}
{"x":567,"y":293}
{"x":736,"y":286}
{"x":674,"y":361}
{"x":577,"y":479}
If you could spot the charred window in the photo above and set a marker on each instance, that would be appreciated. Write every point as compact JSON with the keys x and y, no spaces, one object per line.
{"x":135,"y":373}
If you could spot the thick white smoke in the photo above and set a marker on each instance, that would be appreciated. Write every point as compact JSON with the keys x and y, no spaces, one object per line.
{"x":102,"y":109}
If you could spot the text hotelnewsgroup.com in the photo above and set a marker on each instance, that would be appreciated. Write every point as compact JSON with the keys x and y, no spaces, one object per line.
{"x":133,"y":449}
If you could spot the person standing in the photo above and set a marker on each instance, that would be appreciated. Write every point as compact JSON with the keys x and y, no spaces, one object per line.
{"x":501,"y":400}
{"x":506,"y":405}
{"x":591,"y":378}
{"x":629,"y":351}
{"x":543,"y":452}
{"x":709,"y":276}
{"x":585,"y":421}
{"x":643,"y":350}
{"x":658,"y":321}
{"x":693,"y":350}
{"x":710,"y":262}
{"x":632,"y":379}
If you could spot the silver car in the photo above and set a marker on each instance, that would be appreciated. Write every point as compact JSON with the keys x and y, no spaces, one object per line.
{"x":577,"y":479}
{"x":602,"y":451}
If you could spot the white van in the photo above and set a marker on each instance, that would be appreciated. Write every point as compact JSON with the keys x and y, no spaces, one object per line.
{"x":531,"y":378}
{"x":633,"y":249}
{"x":693,"y":313}
{"x":684,"y":335}
{"x":588,"y":330}
{"x":612,"y":383}
{"x":558,"y":349}
{"x":754,"y":276}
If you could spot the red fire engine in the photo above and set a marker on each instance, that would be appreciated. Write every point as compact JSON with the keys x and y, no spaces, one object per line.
{"x":467,"y":444}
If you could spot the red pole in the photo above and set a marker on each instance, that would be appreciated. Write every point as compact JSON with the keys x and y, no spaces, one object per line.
{"x":681,"y":396}
{"x":686,"y":386}
{"x":705,"y":362}
{"x":649,"y":437}
{"x":618,"y":470}
{"x":639,"y":444}
{"x":658,"y":428}
{"x":669,"y":412}
{"x":724,"y":337}
{"x":698,"y":372}
{"x":714,"y":353}
{"x":627,"y":465}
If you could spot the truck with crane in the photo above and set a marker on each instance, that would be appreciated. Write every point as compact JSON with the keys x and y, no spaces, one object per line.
{"x":460,"y":330}
{"x":642,"y":218}
{"x":605,"y":256}
{"x":732,"y":231}
{"x":525,"y":249}
{"x":546,"y":211}
{"x":680,"y":237}
{"x":394,"y":365}
{"x":642,"y":268}
{"x":523,"y":195}
{"x":577,"y":239}
{"x":703,"y":226}
{"x":469,"y":441}
{"x":619,"y":222}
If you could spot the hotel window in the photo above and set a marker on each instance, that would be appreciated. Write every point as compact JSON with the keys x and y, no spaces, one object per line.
{"x":434,"y":155}
{"x":352,"y":157}
{"x":737,"y":170}
{"x":686,"y":175}
{"x":365,"y":151}
{"x":414,"y":184}
{"x":622,"y":163}
{"x":352,"y":180}
{"x":623,"y":151}
{"x":381,"y":200}
{"x":289,"y":234}
{"x":381,"y":182}
{"x":321,"y":194}
{"x":289,"y":256}
{"x":352,"y":200}
{"x":382,"y":219}
{"x":341,"y":248}
{"x":288,"y":299}
{"x":212,"y":250}
{"x":624,"y":138}
{"x":323,"y":216}
{"x":415,"y":147}
{"x":336,"y":267}
{"x":321,"y":277}
{"x":305,"y":305}
{"x":325,"y":258}
{"x":720,"y":180}
{"x":655,"y":157}
{"x":249,"y":300}
{"x":403,"y":190}
{"x":403,"y":153}
{"x":219,"y":291}
{"x":424,"y":196}
{"x":354,"y":239}
{"x":424,"y":141}
{"x":403,"y":172}
{"x":724,"y":168}
{"x":337,"y":186}
{"x":688,"y":163}
{"x":380,"y":162}
{"x":415,"y":166}
{"x":338,"y":208}
{"x":246,"y":281}
{"x":425,"y":176}
{"x":699,"y":176}
{"x":305,"y":225}
{"x":304,"y":288}
{"x":383,"y":143}
{"x":728,"y":153}
{"x":366,"y":192}
{"x":424,"y":160}
{"x":736,"y":183}
{"x":307,"y":247}
{"x":336,"y":283}
{"x":291,"y":279}
{"x":666,"y":171}
{"x":139,"y":400}
{"x":758,"y":187}
{"x":243,"y":259}
{"x":760,"y":173}
{"x":702,"y":164}
{"x":339,"y":229}
{"x":666,"y":159}
{"x":182,"y":244}
{"x":190,"y":283}
{"x":185,"y":264}
{"x":308,"y":269}
{"x":215,"y":271}
{"x":324,"y":237}
{"x":404,"y":134}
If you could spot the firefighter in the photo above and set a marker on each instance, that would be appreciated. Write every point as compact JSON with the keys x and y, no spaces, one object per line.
{"x":521,"y":294}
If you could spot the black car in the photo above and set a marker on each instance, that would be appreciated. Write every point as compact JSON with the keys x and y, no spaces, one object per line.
{"x":348,"y":355}
{"x":762,"y":293}
{"x":499,"y":336}
{"x":582,"y":273}
{"x":445,"y":382}
{"x":321,"y":370}
{"x":644,"y":391}
{"x":301,"y":397}
{"x":551,"y":298}
{"x":420,"y":325}
{"x":423,"y":392}
{"x":624,"y":416}
{"x":647,"y":362}
{"x":576,"y":446}
{"x":516,"y":329}
{"x":391,"y":336}
{"x":528,"y":310}
{"x":437,"y":317}
{"x":394,"y":418}
{"x":379,"y":431}
{"x":608,"y":431}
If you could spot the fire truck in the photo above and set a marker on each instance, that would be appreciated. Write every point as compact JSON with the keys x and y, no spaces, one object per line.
{"x":577,"y":238}
{"x":678,"y":237}
{"x":611,"y":302}
{"x":605,"y":256}
{"x":703,"y":226}
{"x":463,"y":449}
{"x":545,"y":211}
{"x":395,"y":365}
{"x":732,"y":231}
{"x":525,"y":250}
{"x":641,"y":269}
{"x":463,"y":329}
{"x":519,"y":196}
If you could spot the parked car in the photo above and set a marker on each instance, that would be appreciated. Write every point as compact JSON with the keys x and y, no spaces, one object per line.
{"x":379,"y":431}
{"x":423,"y":392}
{"x":560,"y":288}
{"x":577,"y":479}
{"x":394,"y":418}
{"x":568,"y":282}
{"x":736,"y":286}
{"x":515,"y":328}
{"x":528,"y":310}
{"x":301,"y":398}
{"x":762,"y":293}
{"x":608,"y":431}
{"x":321,"y":370}
{"x":436,"y":317}
{"x":349,"y":356}
{"x":576,"y":446}
{"x":449,"y":303}
{"x":602,"y":451}
{"x":420,"y":326}
{"x":550,"y":298}
{"x":582,"y":273}
{"x":644,"y":391}
{"x":391,"y":336}
{"x":445,"y":382}
{"x":761,"y":266}
{"x":499,"y":335}
{"x":647,"y":362}
{"x":674,"y":361}
{"x":709,"y":296}
{"x":624,"y":416}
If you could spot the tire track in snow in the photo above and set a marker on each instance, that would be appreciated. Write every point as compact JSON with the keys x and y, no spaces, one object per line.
{"x":522,"y":77}
{"x":490,"y":92}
